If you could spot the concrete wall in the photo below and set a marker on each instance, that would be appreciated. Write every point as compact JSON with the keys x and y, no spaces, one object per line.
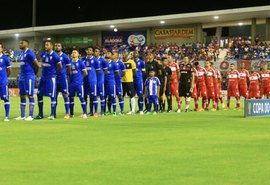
{"x":14,"y":43}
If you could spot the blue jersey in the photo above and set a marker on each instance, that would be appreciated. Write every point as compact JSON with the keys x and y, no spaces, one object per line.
{"x":140,"y":67}
{"x":103,"y":65}
{"x":64,"y":59}
{"x":121,"y":66}
{"x":152,"y":85}
{"x":76,"y":76}
{"x":92,"y":65}
{"x":112,"y":68}
{"x":49,"y":64}
{"x":4,"y":64}
{"x":26,"y":60}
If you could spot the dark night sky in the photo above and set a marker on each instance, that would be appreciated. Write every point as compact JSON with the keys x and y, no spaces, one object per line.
{"x":51,"y":12}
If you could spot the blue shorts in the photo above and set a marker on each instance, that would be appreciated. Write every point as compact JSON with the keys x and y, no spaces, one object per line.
{"x":138,"y":87}
{"x":91,"y":89}
{"x":47,"y":87}
{"x":62,"y":85}
{"x":119,"y":89}
{"x":100,"y":89}
{"x":152,"y":99}
{"x":76,"y":89}
{"x":4,"y":94}
{"x":110,"y":90}
{"x":27,"y":85}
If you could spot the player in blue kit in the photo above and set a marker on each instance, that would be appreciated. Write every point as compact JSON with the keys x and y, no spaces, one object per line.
{"x":118,"y":80}
{"x":61,"y":78}
{"x":100,"y":79}
{"x":28,"y":69}
{"x":78,"y":72}
{"x":138,"y":79}
{"x":5,"y":71}
{"x":110,"y":81}
{"x":90,"y":81}
{"x":51,"y":65}
{"x":152,"y":87}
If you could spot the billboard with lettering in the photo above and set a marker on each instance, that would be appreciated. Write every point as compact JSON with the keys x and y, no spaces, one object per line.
{"x":255,"y":107}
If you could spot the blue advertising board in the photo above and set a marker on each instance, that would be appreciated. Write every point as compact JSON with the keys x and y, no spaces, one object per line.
{"x":254,"y":107}
{"x":123,"y":38}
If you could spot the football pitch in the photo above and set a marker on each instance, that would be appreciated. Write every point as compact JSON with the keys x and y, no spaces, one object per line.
{"x":213,"y":148}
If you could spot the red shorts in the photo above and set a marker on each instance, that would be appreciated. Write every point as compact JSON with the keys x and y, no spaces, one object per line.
{"x":243,"y":91}
{"x":211,"y":92}
{"x":233,"y":92}
{"x":174,"y":89}
{"x":254,"y":93}
{"x":202,"y":91}
{"x":265,"y":91}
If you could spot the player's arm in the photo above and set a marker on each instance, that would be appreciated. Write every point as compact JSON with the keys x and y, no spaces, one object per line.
{"x":159,"y":69}
{"x":8,"y":67}
{"x":145,"y":87}
{"x":105,"y":67}
{"x":192,"y":81}
{"x":165,"y":84}
{"x":116,"y":70}
{"x":133,"y":65}
{"x":36,"y":66}
{"x":59,"y":67}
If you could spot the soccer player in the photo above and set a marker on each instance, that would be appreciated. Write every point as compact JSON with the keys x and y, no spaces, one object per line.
{"x":5,"y":71}
{"x":265,"y":82}
{"x":28,"y":69}
{"x":218,"y":91}
{"x":152,"y":88}
{"x":201,"y":85}
{"x":254,"y":81}
{"x":78,"y":72}
{"x":243,"y":82}
{"x":118,"y":81}
{"x":165,"y":87}
{"x":90,"y":81}
{"x":138,"y":80}
{"x":127,"y":80}
{"x":100,"y":79}
{"x":210,"y":85}
{"x":232,"y":90}
{"x":186,"y":81}
{"x":110,"y":81}
{"x":174,"y":82}
{"x":61,"y":78}
{"x":51,"y":65}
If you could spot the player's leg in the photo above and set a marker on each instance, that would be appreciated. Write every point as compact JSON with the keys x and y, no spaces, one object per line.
{"x":22,"y":89}
{"x":101,"y":93}
{"x":71,"y":99}
{"x":80,"y":92}
{"x":150,"y":101}
{"x":187,"y":96}
{"x":51,"y":91}
{"x":139,"y":92}
{"x":169,"y":98}
{"x":132,"y":97}
{"x":119,"y":93}
{"x":155,"y":102}
{"x":4,"y":95}
{"x":41,"y":90}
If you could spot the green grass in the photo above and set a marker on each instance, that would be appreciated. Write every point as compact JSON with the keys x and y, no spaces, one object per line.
{"x":212,"y":148}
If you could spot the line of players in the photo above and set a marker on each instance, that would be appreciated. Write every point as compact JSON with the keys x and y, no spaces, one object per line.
{"x":107,"y":78}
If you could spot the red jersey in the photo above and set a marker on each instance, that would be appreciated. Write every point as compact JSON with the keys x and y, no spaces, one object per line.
{"x":244,"y":75}
{"x":233,"y":78}
{"x":254,"y":80}
{"x":201,"y":72}
{"x":175,"y":69}
{"x":265,"y":76}
{"x":217,"y":79}
{"x":210,"y":79}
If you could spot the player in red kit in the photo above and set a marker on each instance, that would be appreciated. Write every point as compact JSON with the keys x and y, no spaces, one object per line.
{"x":201,"y":85}
{"x":244,"y":77}
{"x":174,"y":80}
{"x":218,"y":91}
{"x":233,"y":84}
{"x":254,"y":82}
{"x":265,"y":82}
{"x":210,"y":85}
{"x":194,"y":93}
